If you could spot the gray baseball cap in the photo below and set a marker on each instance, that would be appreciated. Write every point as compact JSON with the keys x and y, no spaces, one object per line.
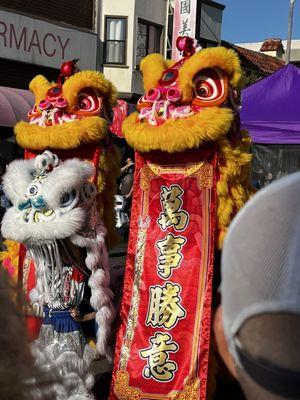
{"x":261,"y":263}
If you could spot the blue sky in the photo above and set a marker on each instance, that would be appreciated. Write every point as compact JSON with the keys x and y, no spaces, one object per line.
{"x":256,"y":20}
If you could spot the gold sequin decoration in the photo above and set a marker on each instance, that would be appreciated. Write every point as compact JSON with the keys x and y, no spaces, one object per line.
{"x":26,"y":268}
{"x":122,"y":389}
{"x":146,"y":176}
{"x":203,"y":171}
{"x":135,"y":301}
{"x":205,"y":176}
{"x":125,"y":392}
{"x":190,"y":390}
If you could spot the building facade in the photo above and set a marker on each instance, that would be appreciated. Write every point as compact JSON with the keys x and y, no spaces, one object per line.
{"x":37,"y":36}
{"x":108,"y":35}
{"x":276,"y":48}
{"x":129,"y":30}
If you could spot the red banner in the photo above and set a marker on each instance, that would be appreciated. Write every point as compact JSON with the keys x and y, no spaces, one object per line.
{"x":184,"y":22}
{"x":163,"y":342}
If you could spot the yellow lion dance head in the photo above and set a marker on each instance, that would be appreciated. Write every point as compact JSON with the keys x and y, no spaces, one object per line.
{"x":71,"y":117}
{"x":192,"y":104}
{"x":67,"y":115}
{"x":186,"y":103}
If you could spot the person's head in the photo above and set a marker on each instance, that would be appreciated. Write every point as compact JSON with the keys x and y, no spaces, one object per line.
{"x":259,"y":322}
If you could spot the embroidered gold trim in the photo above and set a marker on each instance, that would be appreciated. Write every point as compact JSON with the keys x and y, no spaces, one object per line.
{"x":185,"y":170}
{"x":190,"y":391}
{"x":135,"y":301}
{"x":26,"y":268}
{"x":122,"y":389}
{"x":125,"y":392}
{"x":146,"y":176}
{"x":203,"y":171}
{"x":205,"y":176}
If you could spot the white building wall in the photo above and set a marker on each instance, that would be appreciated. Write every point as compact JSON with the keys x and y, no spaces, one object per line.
{"x":295,"y":49}
{"x":121,"y":76}
{"x":255,"y":46}
{"x":127,"y":78}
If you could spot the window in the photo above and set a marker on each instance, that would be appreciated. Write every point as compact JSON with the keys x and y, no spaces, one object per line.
{"x":115,"y":40}
{"x":148,"y":39}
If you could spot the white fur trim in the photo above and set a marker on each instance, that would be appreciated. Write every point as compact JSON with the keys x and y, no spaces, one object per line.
{"x":45,"y":160}
{"x":74,"y":370}
{"x":68,"y":175}
{"x":14,"y":228}
{"x":101,"y":295}
{"x":17,"y":178}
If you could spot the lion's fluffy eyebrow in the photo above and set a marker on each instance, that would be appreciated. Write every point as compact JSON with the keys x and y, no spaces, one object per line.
{"x":153,"y":65}
{"x":70,"y":174}
{"x":39,"y":86}
{"x":18,"y":176}
{"x":89,"y":79}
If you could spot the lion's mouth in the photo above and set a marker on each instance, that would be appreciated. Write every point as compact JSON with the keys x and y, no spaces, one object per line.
{"x":54,"y":116}
{"x":164,"y":110}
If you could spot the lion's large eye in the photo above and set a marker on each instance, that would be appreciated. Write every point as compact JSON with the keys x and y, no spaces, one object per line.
{"x":67,"y":198}
{"x":33,"y":190}
{"x":210,"y":87}
{"x":89,"y":102}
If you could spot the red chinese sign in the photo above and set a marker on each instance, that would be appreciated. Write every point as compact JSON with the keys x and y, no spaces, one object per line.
{"x":184,"y":22}
{"x":163,"y":342}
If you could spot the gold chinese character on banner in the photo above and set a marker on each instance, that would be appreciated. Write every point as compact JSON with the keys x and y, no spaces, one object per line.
{"x":170,"y":255}
{"x":159,"y":367}
{"x":164,"y":306}
{"x":172,"y":215}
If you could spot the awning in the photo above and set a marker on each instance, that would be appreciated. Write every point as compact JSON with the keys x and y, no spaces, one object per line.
{"x":270,"y":108}
{"x":14,"y":105}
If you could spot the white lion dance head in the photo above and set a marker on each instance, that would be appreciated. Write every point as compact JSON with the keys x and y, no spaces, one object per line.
{"x":54,"y":215}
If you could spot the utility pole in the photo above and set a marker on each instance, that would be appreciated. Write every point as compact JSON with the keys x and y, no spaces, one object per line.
{"x":290,"y":31}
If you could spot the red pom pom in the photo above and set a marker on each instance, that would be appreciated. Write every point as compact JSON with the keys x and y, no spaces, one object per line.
{"x":68,"y":68}
{"x":185,"y":44}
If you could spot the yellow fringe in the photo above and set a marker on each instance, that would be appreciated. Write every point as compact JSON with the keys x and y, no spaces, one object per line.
{"x":39,"y":86}
{"x":152,"y":67}
{"x":89,"y":79}
{"x":69,"y":135}
{"x":234,"y":187}
{"x":210,"y":124}
{"x":70,"y":89}
{"x":73,"y":134}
